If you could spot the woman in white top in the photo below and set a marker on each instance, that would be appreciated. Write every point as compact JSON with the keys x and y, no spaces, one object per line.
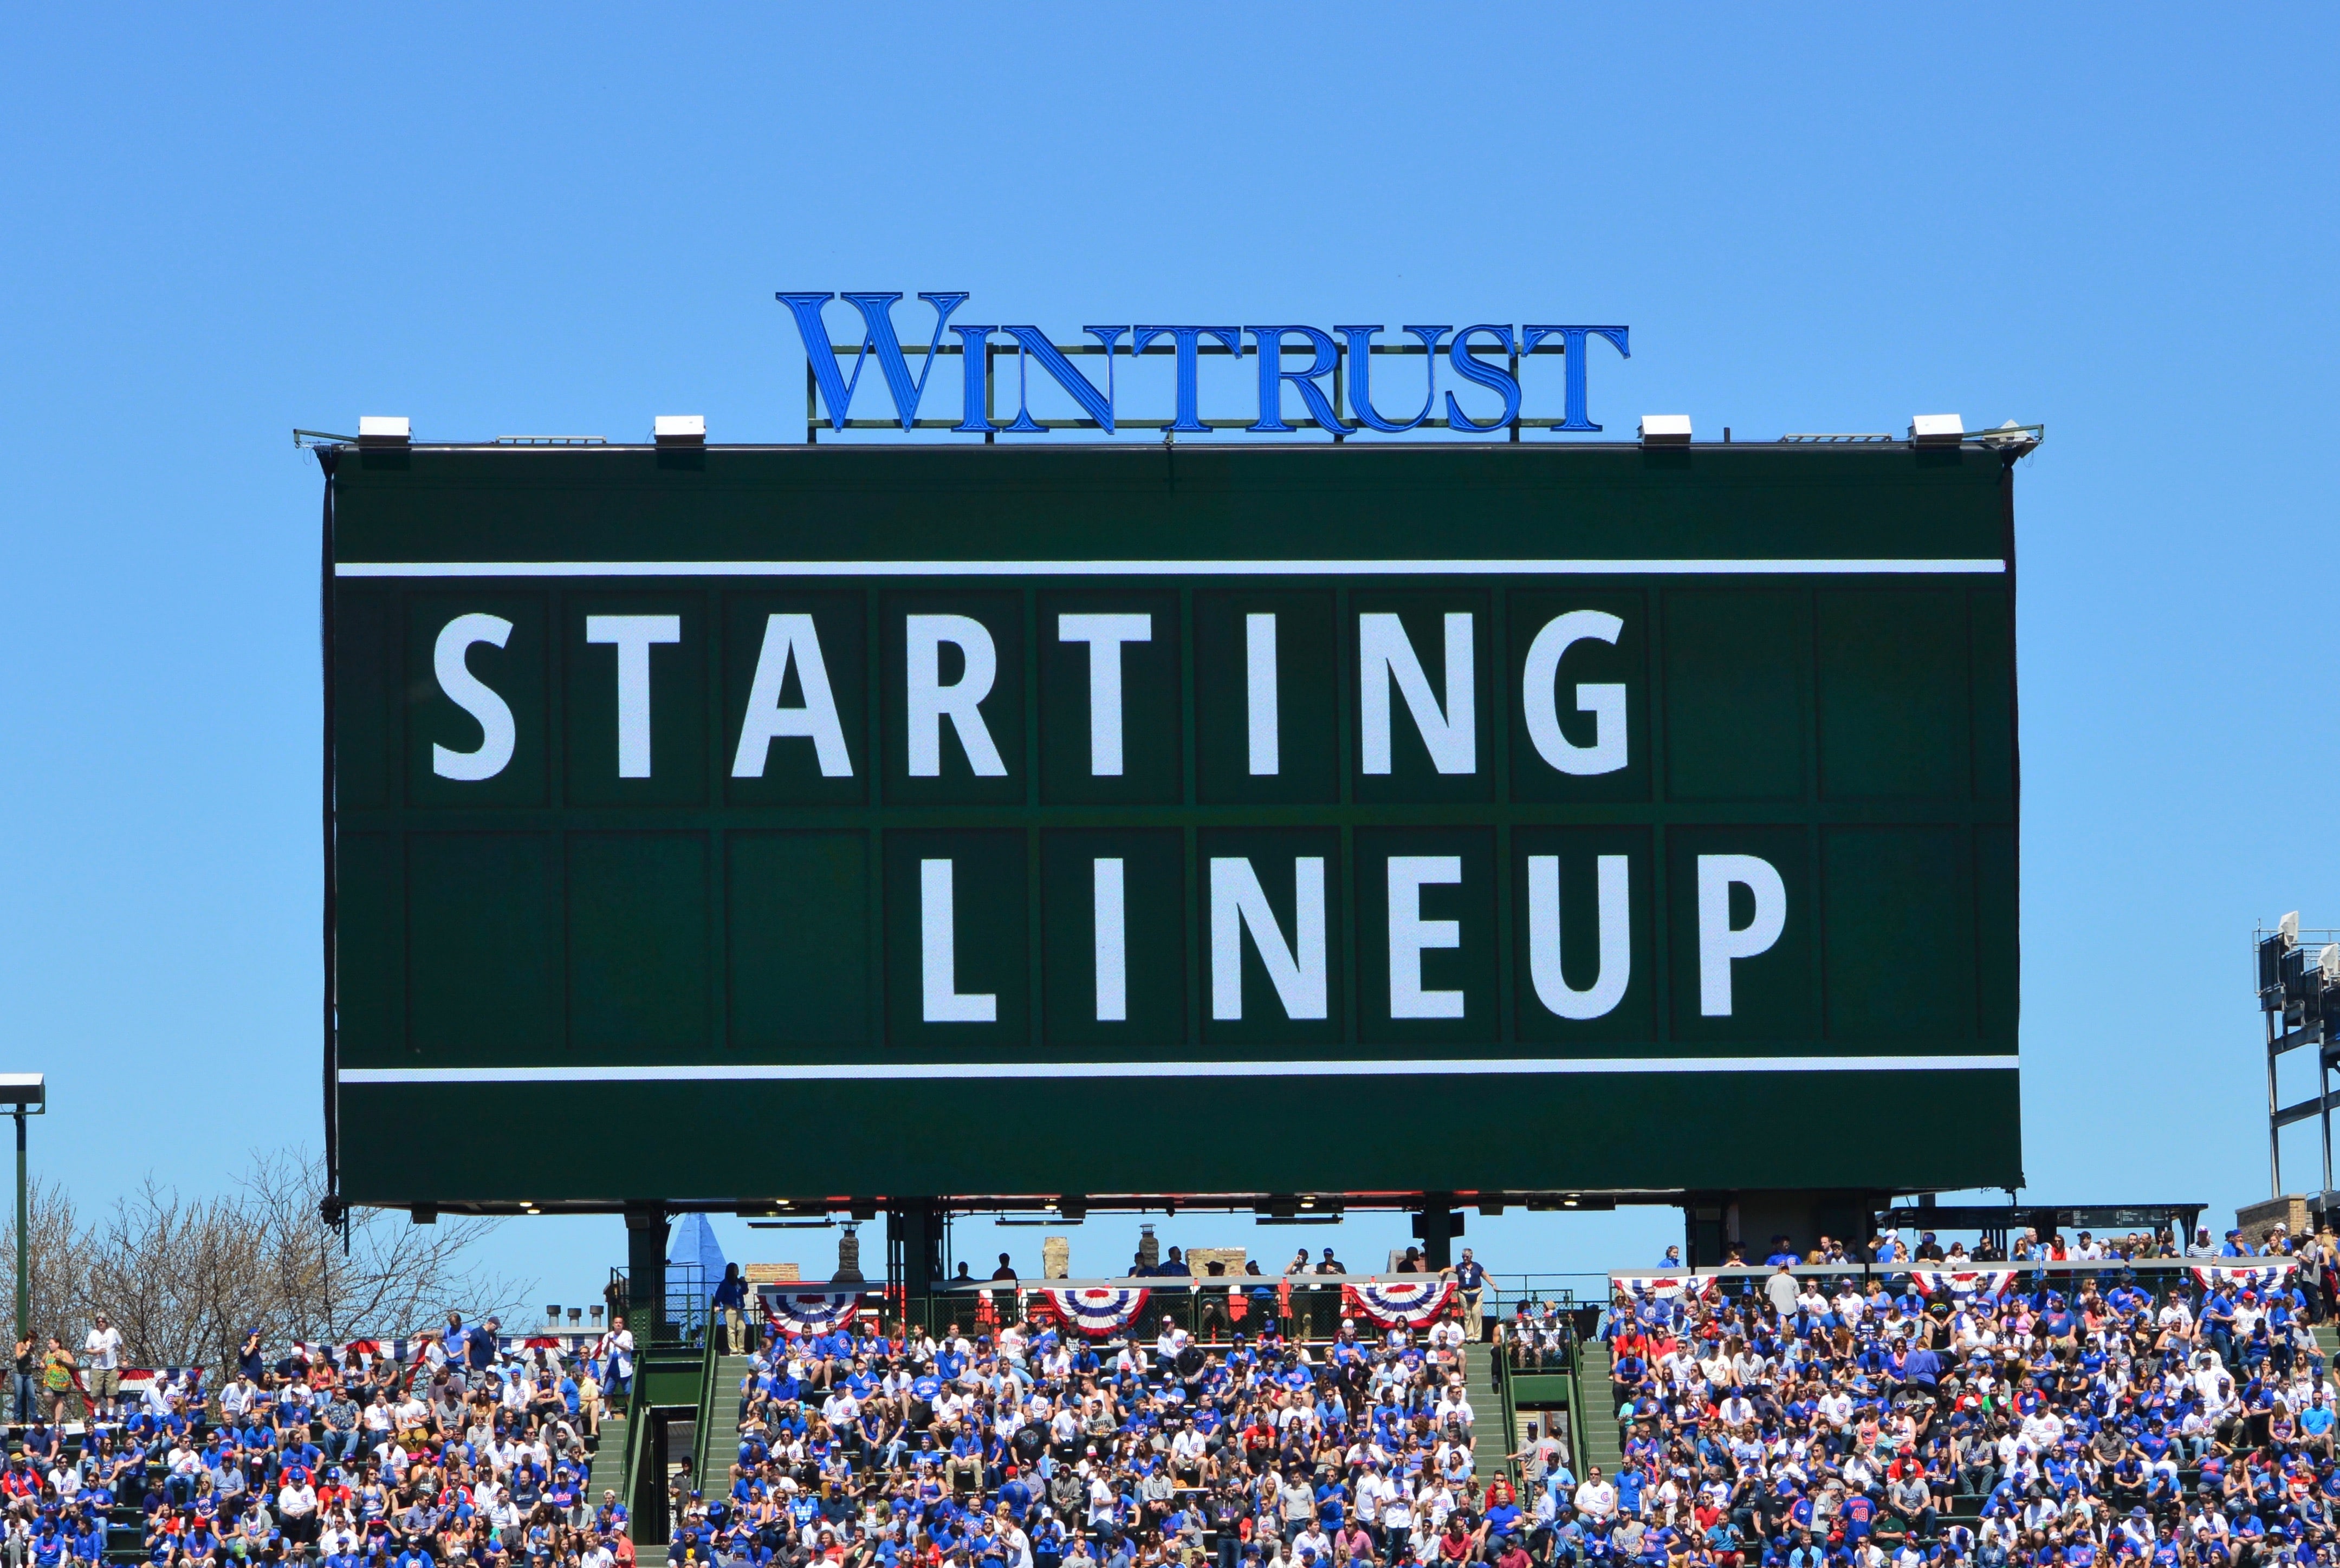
{"x":619,"y":1347}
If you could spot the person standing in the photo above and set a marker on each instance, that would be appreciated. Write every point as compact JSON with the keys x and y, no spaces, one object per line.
{"x":731,"y":1300}
{"x":455,"y":1342}
{"x":481,"y":1348}
{"x":1471,"y":1279}
{"x":1782,"y":1291}
{"x":57,"y":1379}
{"x":101,"y":1360}
{"x":619,"y":1348}
{"x":28,"y":1404}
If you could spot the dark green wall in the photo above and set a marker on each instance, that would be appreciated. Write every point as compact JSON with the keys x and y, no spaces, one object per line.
{"x":1856,"y":730}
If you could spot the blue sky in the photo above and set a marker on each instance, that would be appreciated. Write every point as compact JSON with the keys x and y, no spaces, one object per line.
{"x":501,"y":220}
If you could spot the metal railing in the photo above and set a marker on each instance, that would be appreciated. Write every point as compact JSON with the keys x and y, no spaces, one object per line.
{"x":1204,"y":1306}
{"x":2159,"y":1278}
{"x":993,"y":418}
{"x":684,"y":1314}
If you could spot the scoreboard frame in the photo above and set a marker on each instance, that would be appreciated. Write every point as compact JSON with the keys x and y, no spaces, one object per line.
{"x":1738,"y":719}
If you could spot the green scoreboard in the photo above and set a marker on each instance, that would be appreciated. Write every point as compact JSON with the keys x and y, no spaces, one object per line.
{"x":1006,"y":822}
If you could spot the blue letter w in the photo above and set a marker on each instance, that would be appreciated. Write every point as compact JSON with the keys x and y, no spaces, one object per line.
{"x":877,"y":323}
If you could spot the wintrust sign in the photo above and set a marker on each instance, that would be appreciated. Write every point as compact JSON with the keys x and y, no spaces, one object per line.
{"x":1329,"y":373}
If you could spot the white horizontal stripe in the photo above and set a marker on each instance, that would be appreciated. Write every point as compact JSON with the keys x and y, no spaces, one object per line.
{"x":1680,"y":567}
{"x":954,"y":1071}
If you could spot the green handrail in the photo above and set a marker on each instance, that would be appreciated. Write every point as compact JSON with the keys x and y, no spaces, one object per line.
{"x":1575,"y":1411}
{"x":638,"y":1425}
{"x":1500,"y":1361}
{"x":703,"y":1431}
{"x":1579,"y":1439}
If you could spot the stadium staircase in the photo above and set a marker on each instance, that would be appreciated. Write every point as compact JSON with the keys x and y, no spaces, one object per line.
{"x":718,"y":1430}
{"x":1495,"y":1432}
{"x":1596,"y":1408}
{"x":609,"y":1471}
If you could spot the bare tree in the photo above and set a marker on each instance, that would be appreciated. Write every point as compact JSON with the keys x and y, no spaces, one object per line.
{"x":59,"y":1266}
{"x":394,"y":1277}
{"x":185,"y":1279}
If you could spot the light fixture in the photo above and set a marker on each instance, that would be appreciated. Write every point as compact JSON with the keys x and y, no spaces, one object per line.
{"x":383,"y":430}
{"x":1665,"y":429}
{"x":680,"y":430}
{"x":1937,"y":429}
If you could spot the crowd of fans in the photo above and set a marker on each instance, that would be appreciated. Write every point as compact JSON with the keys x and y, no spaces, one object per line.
{"x":2081,"y":1417}
{"x":2317,"y":1253}
{"x":1030,"y":1446}
{"x":2120,"y":1416}
{"x":468,"y":1453}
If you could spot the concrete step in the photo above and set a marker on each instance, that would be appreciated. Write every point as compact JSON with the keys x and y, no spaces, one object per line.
{"x":1599,"y":1420}
{"x":609,"y":1471}
{"x":721,"y":1447}
{"x":1488,"y":1453}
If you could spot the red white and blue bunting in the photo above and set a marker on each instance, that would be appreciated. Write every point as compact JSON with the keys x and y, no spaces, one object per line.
{"x":1393,"y":1304}
{"x":815,"y":1313}
{"x":1962,"y":1285}
{"x":1662,"y":1287}
{"x":1099,"y":1311}
{"x":2265,"y":1275}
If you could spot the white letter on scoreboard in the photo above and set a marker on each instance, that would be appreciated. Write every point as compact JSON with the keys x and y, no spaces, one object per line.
{"x":1605,"y":700}
{"x":1385,"y":655}
{"x":1718,"y":941}
{"x":1112,"y":945}
{"x":471,"y":693}
{"x":633,"y":636}
{"x":930,"y":702}
{"x":939,"y":942}
{"x":790,"y":637}
{"x":1551,"y":987}
{"x":1410,"y":934}
{"x":1259,"y":659}
{"x":1104,"y":634}
{"x":1297,"y":970}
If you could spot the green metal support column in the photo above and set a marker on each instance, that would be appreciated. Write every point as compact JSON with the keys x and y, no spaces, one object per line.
{"x":914,"y":1254}
{"x":1437,"y":1228}
{"x":645,"y":1237}
{"x":24,"y":1241}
